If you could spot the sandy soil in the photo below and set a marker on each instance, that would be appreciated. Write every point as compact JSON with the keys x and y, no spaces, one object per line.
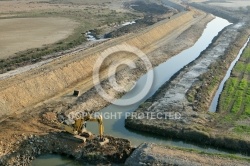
{"x":19,"y":34}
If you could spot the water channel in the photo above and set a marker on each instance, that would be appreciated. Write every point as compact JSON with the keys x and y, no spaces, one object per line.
{"x":162,"y":73}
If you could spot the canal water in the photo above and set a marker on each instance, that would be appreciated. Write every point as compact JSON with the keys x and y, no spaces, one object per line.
{"x":116,"y":126}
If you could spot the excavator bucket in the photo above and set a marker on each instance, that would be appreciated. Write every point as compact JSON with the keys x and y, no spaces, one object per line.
{"x":104,"y":141}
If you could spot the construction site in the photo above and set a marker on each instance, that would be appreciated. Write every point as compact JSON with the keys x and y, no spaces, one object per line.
{"x":112,"y":82}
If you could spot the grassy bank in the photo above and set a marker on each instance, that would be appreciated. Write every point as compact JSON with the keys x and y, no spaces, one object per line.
{"x":234,"y":102}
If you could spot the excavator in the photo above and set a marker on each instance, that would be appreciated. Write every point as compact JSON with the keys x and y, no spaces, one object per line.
{"x":78,"y":128}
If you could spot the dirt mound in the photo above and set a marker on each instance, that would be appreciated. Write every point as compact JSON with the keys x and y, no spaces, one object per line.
{"x":29,"y":147}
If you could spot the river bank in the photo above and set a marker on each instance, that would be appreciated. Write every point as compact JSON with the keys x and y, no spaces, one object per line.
{"x":189,"y":94}
{"x":152,"y":154}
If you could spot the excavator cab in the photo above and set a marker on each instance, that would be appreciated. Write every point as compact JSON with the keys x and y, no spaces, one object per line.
{"x":78,"y":128}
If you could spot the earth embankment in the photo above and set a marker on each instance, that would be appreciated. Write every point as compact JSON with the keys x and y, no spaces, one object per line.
{"x":35,"y":86}
{"x":151,"y":154}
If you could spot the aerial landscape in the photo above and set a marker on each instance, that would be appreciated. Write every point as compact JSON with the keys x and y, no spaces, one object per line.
{"x":124,"y":82}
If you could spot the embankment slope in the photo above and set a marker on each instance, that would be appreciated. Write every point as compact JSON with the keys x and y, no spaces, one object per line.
{"x":25,"y":90}
{"x":151,"y":154}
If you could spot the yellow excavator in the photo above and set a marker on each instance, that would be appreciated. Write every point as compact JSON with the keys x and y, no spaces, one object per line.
{"x":78,"y":128}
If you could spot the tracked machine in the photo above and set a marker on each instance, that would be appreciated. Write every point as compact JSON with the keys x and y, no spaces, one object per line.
{"x":77,"y":128}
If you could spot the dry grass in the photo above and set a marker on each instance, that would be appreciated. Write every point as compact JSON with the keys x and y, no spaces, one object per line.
{"x":19,"y":34}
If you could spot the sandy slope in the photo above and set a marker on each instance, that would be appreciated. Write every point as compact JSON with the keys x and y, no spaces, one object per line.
{"x":61,"y":75}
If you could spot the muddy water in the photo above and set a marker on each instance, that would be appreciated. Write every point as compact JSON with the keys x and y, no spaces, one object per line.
{"x":54,"y":160}
{"x":115,"y":125}
{"x":215,"y":101}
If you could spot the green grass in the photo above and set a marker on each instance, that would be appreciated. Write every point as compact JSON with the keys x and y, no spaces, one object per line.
{"x":247,"y":101}
{"x":228,"y":118}
{"x":246,"y":53}
{"x":239,"y":67}
{"x":238,"y":102}
{"x":235,"y":97}
{"x":242,"y":129}
{"x":227,"y":93}
{"x":234,"y":93}
{"x":248,"y":69}
{"x":247,"y":109}
{"x":243,"y":84}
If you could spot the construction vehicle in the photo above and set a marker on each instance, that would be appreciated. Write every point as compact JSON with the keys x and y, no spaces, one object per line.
{"x":78,"y":128}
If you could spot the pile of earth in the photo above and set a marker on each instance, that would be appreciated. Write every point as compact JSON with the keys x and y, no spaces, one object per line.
{"x":90,"y":152}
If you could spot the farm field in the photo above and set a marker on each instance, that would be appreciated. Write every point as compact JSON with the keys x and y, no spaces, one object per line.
{"x":234,"y":103}
{"x":69,"y":20}
{"x":19,"y":34}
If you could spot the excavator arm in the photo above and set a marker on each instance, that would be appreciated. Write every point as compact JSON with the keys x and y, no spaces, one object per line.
{"x":78,"y":127}
{"x":99,"y":119}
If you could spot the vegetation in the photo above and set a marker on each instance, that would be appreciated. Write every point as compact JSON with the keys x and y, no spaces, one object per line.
{"x":242,"y":129}
{"x":152,"y":8}
{"x":234,"y":101}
